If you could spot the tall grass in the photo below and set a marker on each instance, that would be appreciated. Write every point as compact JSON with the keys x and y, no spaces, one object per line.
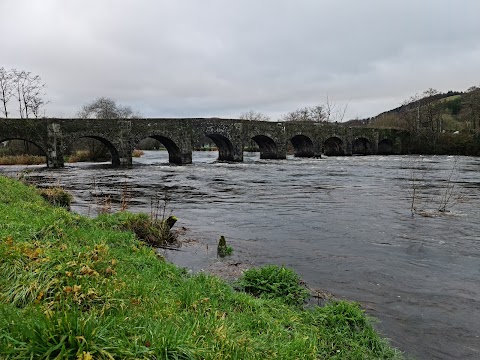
{"x":22,"y":160}
{"x":79,"y":288}
{"x":81,"y":156}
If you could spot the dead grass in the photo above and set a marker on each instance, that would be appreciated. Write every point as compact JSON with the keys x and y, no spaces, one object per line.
{"x":22,"y":160}
{"x":80,"y":156}
{"x":137,"y":153}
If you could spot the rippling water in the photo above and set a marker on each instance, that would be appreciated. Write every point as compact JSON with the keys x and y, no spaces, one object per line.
{"x":343,"y":223}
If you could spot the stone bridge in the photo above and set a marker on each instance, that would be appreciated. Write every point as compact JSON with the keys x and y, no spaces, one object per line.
{"x":306,"y":139}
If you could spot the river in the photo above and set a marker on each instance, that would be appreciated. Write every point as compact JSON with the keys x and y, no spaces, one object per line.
{"x":343,"y":223}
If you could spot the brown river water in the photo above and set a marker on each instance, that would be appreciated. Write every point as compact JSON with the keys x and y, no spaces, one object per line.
{"x":343,"y":223}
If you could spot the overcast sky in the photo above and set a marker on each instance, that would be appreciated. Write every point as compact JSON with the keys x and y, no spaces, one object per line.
{"x":202,"y":58}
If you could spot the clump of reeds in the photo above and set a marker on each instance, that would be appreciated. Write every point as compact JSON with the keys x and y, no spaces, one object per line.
{"x":57,"y":196}
{"x":80,"y":156}
{"x":155,"y":232}
{"x":22,"y":160}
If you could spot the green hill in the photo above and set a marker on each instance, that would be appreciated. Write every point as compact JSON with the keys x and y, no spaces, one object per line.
{"x":438,"y":112}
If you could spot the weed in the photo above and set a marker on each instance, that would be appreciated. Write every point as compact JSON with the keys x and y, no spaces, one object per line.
{"x":155,"y":232}
{"x":223,"y":249}
{"x":272,"y":281}
{"x":422,"y":202}
{"x":125,"y":197}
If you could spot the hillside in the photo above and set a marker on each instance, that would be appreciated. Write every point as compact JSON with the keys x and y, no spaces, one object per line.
{"x":439,"y":112}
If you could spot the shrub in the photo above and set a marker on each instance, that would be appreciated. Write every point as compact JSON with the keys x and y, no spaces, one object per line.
{"x":223,"y":249}
{"x":155,"y":232}
{"x":57,"y":196}
{"x":80,"y":156}
{"x":272,"y":281}
{"x":101,"y":154}
{"x":137,"y":153}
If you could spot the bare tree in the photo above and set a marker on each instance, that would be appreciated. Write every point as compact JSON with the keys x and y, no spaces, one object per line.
{"x":411,"y":115}
{"x":425,"y":202}
{"x":253,"y":115}
{"x":6,"y":88}
{"x":423,"y":111}
{"x":314,"y":114}
{"x":100,"y":108}
{"x":317,"y":113}
{"x":297,"y":115}
{"x":471,"y":100}
{"x":105,"y":108}
{"x":333,"y":111}
{"x":329,"y":111}
{"x":431,"y":111}
{"x":29,"y":92}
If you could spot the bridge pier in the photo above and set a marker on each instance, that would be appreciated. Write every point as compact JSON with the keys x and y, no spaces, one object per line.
{"x":375,"y":144}
{"x":124,"y":146}
{"x":54,"y":146}
{"x":317,"y":149}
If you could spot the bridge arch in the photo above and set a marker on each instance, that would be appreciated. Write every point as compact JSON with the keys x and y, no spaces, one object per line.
{"x":115,"y":157}
{"x":333,"y":146}
{"x":385,"y":147}
{"x":268,"y":147}
{"x":302,"y":146}
{"x":361,"y":146}
{"x":224,"y":146}
{"x":174,"y":152}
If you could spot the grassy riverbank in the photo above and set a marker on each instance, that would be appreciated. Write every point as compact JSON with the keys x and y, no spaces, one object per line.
{"x":79,"y":288}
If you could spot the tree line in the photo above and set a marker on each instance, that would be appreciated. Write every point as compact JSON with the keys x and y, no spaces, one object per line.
{"x":439,"y":123}
{"x":435,"y":112}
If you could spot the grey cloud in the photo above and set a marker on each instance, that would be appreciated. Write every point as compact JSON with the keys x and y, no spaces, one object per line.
{"x":219,"y":58}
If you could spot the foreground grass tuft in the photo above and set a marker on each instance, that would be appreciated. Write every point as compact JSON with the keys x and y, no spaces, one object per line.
{"x":274,"y":282}
{"x":79,"y":288}
{"x":57,"y":196}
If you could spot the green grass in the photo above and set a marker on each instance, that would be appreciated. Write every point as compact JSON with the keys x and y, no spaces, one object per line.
{"x":274,"y":282}
{"x":56,"y":196}
{"x":450,"y":98}
{"x":79,"y":288}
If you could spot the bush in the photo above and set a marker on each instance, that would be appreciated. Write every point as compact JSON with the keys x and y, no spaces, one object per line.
{"x":56,"y":196}
{"x":137,"y":153}
{"x":155,"y":232}
{"x":223,"y":249}
{"x":272,"y":281}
